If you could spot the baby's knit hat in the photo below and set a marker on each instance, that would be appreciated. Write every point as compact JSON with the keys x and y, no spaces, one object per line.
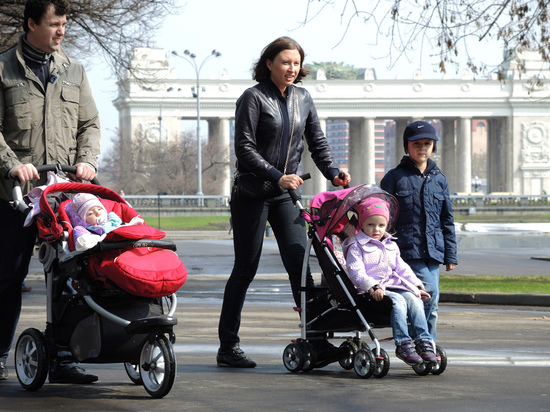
{"x":82,"y":202}
{"x":372,"y":206}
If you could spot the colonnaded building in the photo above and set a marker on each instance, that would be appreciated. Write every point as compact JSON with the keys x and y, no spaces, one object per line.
{"x":366,"y":119}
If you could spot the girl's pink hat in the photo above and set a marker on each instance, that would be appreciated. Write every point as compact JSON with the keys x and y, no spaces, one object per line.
{"x":372,"y":206}
{"x":82,"y":202}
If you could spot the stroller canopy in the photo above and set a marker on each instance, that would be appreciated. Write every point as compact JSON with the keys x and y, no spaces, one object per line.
{"x":335,"y":212}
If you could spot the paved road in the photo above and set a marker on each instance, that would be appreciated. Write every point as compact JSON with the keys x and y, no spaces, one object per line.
{"x":499,"y":357}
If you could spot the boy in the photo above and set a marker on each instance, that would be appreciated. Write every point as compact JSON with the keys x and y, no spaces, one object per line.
{"x":425,"y":228}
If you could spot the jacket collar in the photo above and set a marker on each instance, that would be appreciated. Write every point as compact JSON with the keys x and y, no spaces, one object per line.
{"x":59,"y":58}
{"x":363,"y":239}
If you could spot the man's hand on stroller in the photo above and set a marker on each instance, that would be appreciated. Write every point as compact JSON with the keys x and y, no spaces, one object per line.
{"x":24,"y":172}
{"x":84,"y":171}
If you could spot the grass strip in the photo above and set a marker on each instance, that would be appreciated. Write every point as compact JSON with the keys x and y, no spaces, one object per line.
{"x":189,"y":222}
{"x":494,"y":284}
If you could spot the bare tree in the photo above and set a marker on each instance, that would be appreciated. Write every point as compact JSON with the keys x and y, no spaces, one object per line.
{"x":111,"y":28}
{"x":447,"y":29}
{"x":140,"y":167}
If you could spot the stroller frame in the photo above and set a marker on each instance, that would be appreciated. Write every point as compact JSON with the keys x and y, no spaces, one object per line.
{"x":367,"y":362}
{"x":129,"y":335}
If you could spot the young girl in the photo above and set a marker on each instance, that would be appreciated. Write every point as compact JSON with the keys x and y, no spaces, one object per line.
{"x":425,"y":228}
{"x":375,"y":266}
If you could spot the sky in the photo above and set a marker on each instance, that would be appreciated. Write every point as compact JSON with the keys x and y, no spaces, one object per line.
{"x":240,"y":29}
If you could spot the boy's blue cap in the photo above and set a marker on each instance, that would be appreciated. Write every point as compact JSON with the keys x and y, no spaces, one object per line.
{"x":419,"y":130}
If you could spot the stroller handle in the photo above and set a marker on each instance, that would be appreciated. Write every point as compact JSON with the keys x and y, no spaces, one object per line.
{"x":19,"y":203}
{"x":292,"y":192}
{"x":342,"y":176}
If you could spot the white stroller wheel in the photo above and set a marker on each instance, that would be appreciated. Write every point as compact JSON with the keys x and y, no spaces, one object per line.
{"x":363,"y":363}
{"x":157,"y":366}
{"x":382,"y":366}
{"x":293,"y":358}
{"x":423,"y":369}
{"x":347,"y":362}
{"x":133,"y":373}
{"x":31,"y":359}
{"x":310,"y":357}
{"x":441,"y":364}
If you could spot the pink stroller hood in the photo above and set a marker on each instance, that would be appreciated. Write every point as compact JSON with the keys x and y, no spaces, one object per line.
{"x":333,"y":212}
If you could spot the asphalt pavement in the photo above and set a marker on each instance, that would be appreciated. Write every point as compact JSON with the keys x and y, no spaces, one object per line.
{"x":498,"y":354}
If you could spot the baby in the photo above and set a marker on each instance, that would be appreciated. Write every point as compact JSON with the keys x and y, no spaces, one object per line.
{"x":91,"y":222}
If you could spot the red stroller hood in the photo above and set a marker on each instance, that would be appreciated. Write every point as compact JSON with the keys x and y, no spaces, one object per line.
{"x":51,"y":223}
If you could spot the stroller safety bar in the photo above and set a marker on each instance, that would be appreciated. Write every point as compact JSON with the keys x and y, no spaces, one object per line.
{"x":106,"y":246}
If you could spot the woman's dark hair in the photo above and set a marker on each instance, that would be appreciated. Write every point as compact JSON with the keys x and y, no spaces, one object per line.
{"x":36,"y":10}
{"x":261,"y":72}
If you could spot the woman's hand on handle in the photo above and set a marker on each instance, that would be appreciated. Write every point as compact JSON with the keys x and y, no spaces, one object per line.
{"x":342,"y":179}
{"x":290,"y":182}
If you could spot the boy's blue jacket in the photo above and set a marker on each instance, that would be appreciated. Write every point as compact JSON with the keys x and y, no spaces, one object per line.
{"x":425,"y":225}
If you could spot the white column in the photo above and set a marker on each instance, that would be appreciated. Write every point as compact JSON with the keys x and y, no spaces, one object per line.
{"x":464,"y":155}
{"x":368,"y":153}
{"x":447,"y":150}
{"x":361,"y":151}
{"x":218,"y":135}
{"x":318,"y":182}
{"x":400,"y":125}
{"x":355,"y":152}
{"x":508,"y":147}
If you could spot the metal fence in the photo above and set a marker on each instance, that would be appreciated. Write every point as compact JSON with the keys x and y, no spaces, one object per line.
{"x":481,"y":202}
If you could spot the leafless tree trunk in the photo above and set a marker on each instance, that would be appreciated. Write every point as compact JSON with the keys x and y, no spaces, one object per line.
{"x":141,"y":167}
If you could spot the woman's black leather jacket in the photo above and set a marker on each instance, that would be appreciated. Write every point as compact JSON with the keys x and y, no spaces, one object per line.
{"x":259,"y":129}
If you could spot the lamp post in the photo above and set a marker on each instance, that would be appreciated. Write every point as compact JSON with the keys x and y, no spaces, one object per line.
{"x":191,"y":58}
{"x":160,"y":118}
{"x":151,"y":89}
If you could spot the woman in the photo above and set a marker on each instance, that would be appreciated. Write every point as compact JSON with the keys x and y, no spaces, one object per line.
{"x":270,"y":120}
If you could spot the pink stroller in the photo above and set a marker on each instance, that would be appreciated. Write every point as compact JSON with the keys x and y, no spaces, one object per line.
{"x":111,"y":303}
{"x":335,"y":305}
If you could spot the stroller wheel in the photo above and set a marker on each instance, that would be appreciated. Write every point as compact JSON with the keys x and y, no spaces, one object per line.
{"x":310,"y":357}
{"x":423,"y":369}
{"x":441,"y":364}
{"x":363,"y":363}
{"x":293,"y":358}
{"x":157,"y":366}
{"x":133,"y":373}
{"x":31,"y":359}
{"x":382,"y":364}
{"x":347,"y":362}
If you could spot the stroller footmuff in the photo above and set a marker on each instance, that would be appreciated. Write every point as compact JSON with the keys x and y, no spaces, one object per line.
{"x":112,"y":303}
{"x":335,"y":306}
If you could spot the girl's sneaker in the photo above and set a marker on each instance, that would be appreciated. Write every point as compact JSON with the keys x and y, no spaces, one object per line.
{"x":407,"y":353}
{"x":425,"y":349}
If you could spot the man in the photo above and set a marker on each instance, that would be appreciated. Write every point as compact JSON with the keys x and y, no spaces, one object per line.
{"x":47,"y":116}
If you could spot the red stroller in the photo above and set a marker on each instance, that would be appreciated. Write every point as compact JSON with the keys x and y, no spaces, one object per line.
{"x":112,"y":303}
{"x":335,"y":305}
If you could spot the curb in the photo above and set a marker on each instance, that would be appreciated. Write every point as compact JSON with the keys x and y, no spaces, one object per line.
{"x":513,"y":299}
